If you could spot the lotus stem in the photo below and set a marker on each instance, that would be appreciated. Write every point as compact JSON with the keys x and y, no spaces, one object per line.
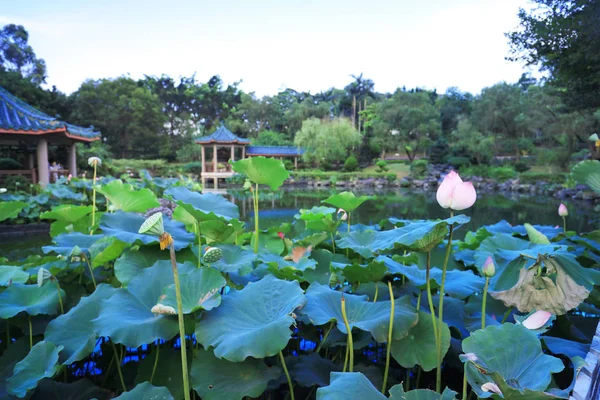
{"x":419,"y":369}
{"x":430,"y":298}
{"x":30,"y":332}
{"x":287,"y":375}
{"x":376,"y":292}
{"x":348,"y":223}
{"x":485,"y":290}
{"x":464,"y":394}
{"x":93,"y":200}
{"x":407,"y":383}
{"x":112,"y":360}
{"x":350,"y":343}
{"x":7,"y":334}
{"x":155,"y":361}
{"x":60,"y":302}
{"x":564,"y":225}
{"x":419,"y":301}
{"x":184,"y":366}
{"x":438,"y":380}
{"x":119,"y":361}
{"x":325,"y":337}
{"x":332,"y":243}
{"x":506,"y":315}
{"x":255,"y":198}
{"x":389,"y":342}
{"x":90,"y":268}
{"x":197,"y":226}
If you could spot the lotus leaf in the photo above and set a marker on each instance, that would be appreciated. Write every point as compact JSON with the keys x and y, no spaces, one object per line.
{"x":324,"y":305}
{"x":31,"y":299}
{"x":374,"y":271}
{"x":397,"y":393}
{"x":347,"y":201}
{"x":125,"y":198}
{"x":360,"y":242}
{"x":311,"y":369}
{"x":235,"y":260}
{"x":322,"y":272}
{"x":278,"y":262}
{"x":588,"y":173}
{"x":82,"y":389}
{"x":145,"y":391}
{"x":260,"y":315}
{"x":133,"y":261}
{"x":567,"y":347}
{"x":40,"y":362}
{"x":81,"y":338}
{"x":167,"y":370}
{"x":10,"y":357}
{"x":10,"y":209}
{"x":67,"y":213}
{"x":105,"y":250}
{"x":262,"y":171}
{"x":218,"y":379}
{"x":535,"y":236}
{"x":205,"y":206}
{"x":349,"y":385}
{"x":319,"y":219}
{"x":67,"y":241}
{"x":10,"y":274}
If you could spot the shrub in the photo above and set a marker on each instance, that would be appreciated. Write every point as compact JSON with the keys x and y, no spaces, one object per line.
{"x":418,"y":169}
{"x":521,"y":166}
{"x":458,"y":162}
{"x":192,"y":167}
{"x":17,"y":183}
{"x":381,"y":166}
{"x":9,"y":163}
{"x":502,"y":174}
{"x":531,"y":177}
{"x":438,"y":151}
{"x":351,"y":164}
{"x":288,"y":165}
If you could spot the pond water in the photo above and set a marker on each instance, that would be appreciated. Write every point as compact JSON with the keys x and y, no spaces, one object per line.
{"x":281,"y":206}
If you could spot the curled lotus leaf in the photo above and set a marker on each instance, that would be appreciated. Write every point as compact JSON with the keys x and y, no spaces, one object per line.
{"x":146,"y":391}
{"x":126,"y":198}
{"x":11,"y":209}
{"x":31,"y":299}
{"x":12,"y":274}
{"x":349,"y":385}
{"x":41,"y":362}
{"x":347,"y":201}
{"x":253,"y":322}
{"x":262,"y":171}
{"x":397,"y":393}
{"x":203,"y":206}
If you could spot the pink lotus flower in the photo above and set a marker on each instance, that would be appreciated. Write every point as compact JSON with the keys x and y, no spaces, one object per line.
{"x":491,"y":387}
{"x":489,"y":269}
{"x":344,"y":216}
{"x":455,"y":194}
{"x":281,"y":235}
{"x":537,"y":320}
{"x":562,"y":210}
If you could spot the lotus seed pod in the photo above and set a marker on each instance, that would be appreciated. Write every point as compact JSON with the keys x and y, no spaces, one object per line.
{"x":489,"y":269}
{"x":153,"y":225}
{"x":92,"y":161}
{"x":43,"y":276}
{"x":212,"y":254}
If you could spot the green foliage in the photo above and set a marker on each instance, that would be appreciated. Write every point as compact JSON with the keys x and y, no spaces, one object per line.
{"x":10,"y":209}
{"x":351,"y":164}
{"x":381,"y":166}
{"x":418,"y":169}
{"x":158,"y":167}
{"x":531,"y":177}
{"x":439,"y":150}
{"x":466,"y":139}
{"x":262,"y":171}
{"x":588,"y":173}
{"x":521,"y":166}
{"x":194,"y":167}
{"x":458,"y":162}
{"x":9,"y":163}
{"x":326,"y":140}
{"x":16,"y":55}
{"x":17,"y":183}
{"x":270,"y":138}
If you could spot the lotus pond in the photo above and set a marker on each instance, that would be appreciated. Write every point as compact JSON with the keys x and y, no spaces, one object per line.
{"x":293,"y":295}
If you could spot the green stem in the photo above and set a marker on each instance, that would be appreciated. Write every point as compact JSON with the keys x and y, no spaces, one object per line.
{"x":407,"y":383}
{"x":119,"y":361}
{"x":91,"y":270}
{"x":7,"y":334}
{"x":419,"y":301}
{"x":184,"y":366}
{"x":62,"y":310}
{"x":93,"y":200}
{"x":564,"y":225}
{"x":485,"y":290}
{"x":255,"y":198}
{"x":430,"y":298}
{"x":376,"y":292}
{"x":350,"y":343}
{"x":287,"y":375}
{"x":332,"y":243}
{"x":438,"y":380}
{"x":325,"y":337}
{"x":112,"y":360}
{"x":155,"y":361}
{"x":348,"y":223}
{"x":197,"y":229}
{"x":30,"y":332}
{"x":418,"y":376}
{"x":389,"y":342}
{"x":464,"y":394}
{"x":506,"y":315}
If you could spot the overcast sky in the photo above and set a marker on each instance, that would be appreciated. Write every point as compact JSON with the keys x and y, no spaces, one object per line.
{"x":270,"y":45}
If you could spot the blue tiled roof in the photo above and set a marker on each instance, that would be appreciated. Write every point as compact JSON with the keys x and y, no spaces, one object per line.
{"x":16,"y":115}
{"x":274,"y":151}
{"x":222,"y":135}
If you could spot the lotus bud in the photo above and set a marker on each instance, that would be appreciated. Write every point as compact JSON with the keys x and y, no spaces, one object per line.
{"x":489,"y":269}
{"x":94,"y":161}
{"x":344,"y":216}
{"x":3,"y":190}
{"x":212,"y":254}
{"x":455,"y":194}
{"x":281,"y":235}
{"x":537,"y":320}
{"x":491,"y":387}
{"x":562,"y":210}
{"x":43,"y":276}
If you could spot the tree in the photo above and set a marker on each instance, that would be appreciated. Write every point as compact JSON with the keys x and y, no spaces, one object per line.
{"x":467,"y":139}
{"x":562,"y":38}
{"x":453,"y":105}
{"x":327,"y":141}
{"x":270,"y":138}
{"x":17,"y":55}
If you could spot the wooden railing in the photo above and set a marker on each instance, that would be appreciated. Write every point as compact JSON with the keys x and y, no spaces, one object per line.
{"x":31,"y":173}
{"x":208,"y":167}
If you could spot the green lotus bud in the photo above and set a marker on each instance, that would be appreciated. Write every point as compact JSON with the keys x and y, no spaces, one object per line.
{"x":212,"y":254}
{"x":43,"y":276}
{"x":76,"y":252}
{"x":489,"y":269}
{"x":153,"y":225}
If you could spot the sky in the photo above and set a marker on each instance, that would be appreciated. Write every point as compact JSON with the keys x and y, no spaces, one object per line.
{"x":271,"y":45}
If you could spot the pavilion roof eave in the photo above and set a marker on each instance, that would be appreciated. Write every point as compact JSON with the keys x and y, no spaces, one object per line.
{"x":212,"y":141}
{"x":47,"y":132}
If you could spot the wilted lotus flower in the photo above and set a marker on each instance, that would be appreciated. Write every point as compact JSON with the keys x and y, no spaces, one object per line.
{"x":3,"y":190}
{"x":94,"y":161}
{"x":160,"y":309}
{"x":491,"y":387}
{"x":562,"y":210}
{"x":455,"y":194}
{"x":153,"y":225}
{"x":212,"y":254}
{"x":344,"y":216}
{"x":537,"y":320}
{"x":43,"y":276}
{"x":489,"y":269}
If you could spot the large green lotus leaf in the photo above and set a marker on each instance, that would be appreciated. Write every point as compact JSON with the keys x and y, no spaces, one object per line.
{"x":512,"y":351}
{"x":145,"y":391}
{"x":559,"y":284}
{"x":125,"y":226}
{"x":10,"y":209}
{"x":397,"y":393}
{"x":374,"y":271}
{"x":278,"y":262}
{"x":311,"y":369}
{"x":262,"y":170}
{"x":67,"y":241}
{"x":318,"y":219}
{"x":167,"y":370}
{"x":217,"y":231}
{"x":199,"y":291}
{"x":125,"y":198}
{"x":203,"y":206}
{"x":83,"y":225}
{"x":10,"y":357}
{"x":587,"y":172}
{"x":67,"y":213}
{"x":32,"y":299}
{"x":349,"y":385}
{"x":10,"y":275}
{"x":322,"y":272}
{"x":346,"y":201}
{"x":360,"y":242}
{"x":260,"y":314}
{"x":74,"y":331}
{"x":459,"y":284}
{"x":567,"y":347}
{"x":133,"y":261}
{"x":218,"y":379}
{"x":418,"y":347}
{"x":235,"y":260}
{"x":81,"y":389}
{"x":41,"y":362}
{"x":324,"y":305}
{"x":126,"y":317}
{"x":106,"y":249}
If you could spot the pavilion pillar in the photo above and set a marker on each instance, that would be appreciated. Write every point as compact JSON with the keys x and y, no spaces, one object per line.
{"x":73,"y":160}
{"x":295,"y":162}
{"x":215,"y":159}
{"x":30,"y":162}
{"x":203,"y":159}
{"x":42,"y":162}
{"x":232,"y":153}
{"x":243,"y":152}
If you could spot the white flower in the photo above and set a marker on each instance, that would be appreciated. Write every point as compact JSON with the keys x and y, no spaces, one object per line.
{"x":3,"y":190}
{"x":94,"y":161}
{"x":491,"y":387}
{"x":344,"y":216}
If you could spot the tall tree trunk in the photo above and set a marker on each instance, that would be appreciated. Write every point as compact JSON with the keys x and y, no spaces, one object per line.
{"x":359,"y":118}
{"x":354,"y":112}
